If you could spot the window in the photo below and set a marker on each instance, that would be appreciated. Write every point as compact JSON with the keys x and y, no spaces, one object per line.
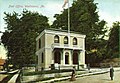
{"x":56,"y":39}
{"x":66,"y":58}
{"x":39,"y":43}
{"x":74,"y":41}
{"x":42,"y":57}
{"x":65,"y":40}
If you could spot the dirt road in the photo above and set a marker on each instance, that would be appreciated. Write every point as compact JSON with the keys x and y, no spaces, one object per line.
{"x":101,"y":78}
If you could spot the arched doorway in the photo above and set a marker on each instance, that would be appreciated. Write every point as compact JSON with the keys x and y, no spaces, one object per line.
{"x":66,"y":58}
{"x":75,"y":58}
{"x":57,"y":57}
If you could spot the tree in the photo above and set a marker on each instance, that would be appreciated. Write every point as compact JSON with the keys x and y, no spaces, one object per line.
{"x":113,"y":41}
{"x":20,"y":37}
{"x":83,"y":19}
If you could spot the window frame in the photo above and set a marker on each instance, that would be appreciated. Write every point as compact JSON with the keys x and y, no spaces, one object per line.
{"x":75,"y":41}
{"x":56,"y":37}
{"x":66,"y":40}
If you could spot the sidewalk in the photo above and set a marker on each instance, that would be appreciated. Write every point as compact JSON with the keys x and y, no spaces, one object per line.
{"x":93,"y":72}
{"x":14,"y":78}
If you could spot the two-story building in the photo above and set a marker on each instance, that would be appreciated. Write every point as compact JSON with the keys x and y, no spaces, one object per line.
{"x":60,"y":47}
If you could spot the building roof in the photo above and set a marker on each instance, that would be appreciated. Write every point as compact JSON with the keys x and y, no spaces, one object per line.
{"x":2,"y":61}
{"x":61,"y":30}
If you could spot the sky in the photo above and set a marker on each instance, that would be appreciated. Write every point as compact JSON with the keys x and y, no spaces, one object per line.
{"x":109,"y":10}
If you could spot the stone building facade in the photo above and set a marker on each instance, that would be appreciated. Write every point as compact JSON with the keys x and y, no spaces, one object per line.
{"x":58,"y":47}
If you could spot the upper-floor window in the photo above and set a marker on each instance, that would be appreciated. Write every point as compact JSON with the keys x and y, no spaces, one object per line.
{"x":65,"y":40}
{"x":56,"y":39}
{"x":74,"y":41}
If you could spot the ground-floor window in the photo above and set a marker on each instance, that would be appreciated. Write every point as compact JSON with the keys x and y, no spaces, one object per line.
{"x":42,"y":57}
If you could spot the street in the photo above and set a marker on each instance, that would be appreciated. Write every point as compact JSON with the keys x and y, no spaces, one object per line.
{"x":101,"y":78}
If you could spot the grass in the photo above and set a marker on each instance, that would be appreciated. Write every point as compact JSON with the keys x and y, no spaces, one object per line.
{"x":41,"y":73}
{"x":58,"y":75}
{"x":37,"y":80}
{"x":45,"y":72}
{"x":27,"y":73}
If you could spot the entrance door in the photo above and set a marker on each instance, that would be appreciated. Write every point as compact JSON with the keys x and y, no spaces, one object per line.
{"x":66,"y":58}
{"x":57,"y":57}
{"x":75,"y":58}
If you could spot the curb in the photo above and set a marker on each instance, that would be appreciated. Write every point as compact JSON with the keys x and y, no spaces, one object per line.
{"x":14,"y":78}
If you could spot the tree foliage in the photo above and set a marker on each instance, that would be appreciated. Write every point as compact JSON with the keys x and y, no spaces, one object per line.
{"x":113,"y":41}
{"x":84,"y":19}
{"x":20,"y":37}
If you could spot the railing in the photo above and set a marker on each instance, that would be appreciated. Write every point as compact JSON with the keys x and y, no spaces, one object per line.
{"x":58,"y":45}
